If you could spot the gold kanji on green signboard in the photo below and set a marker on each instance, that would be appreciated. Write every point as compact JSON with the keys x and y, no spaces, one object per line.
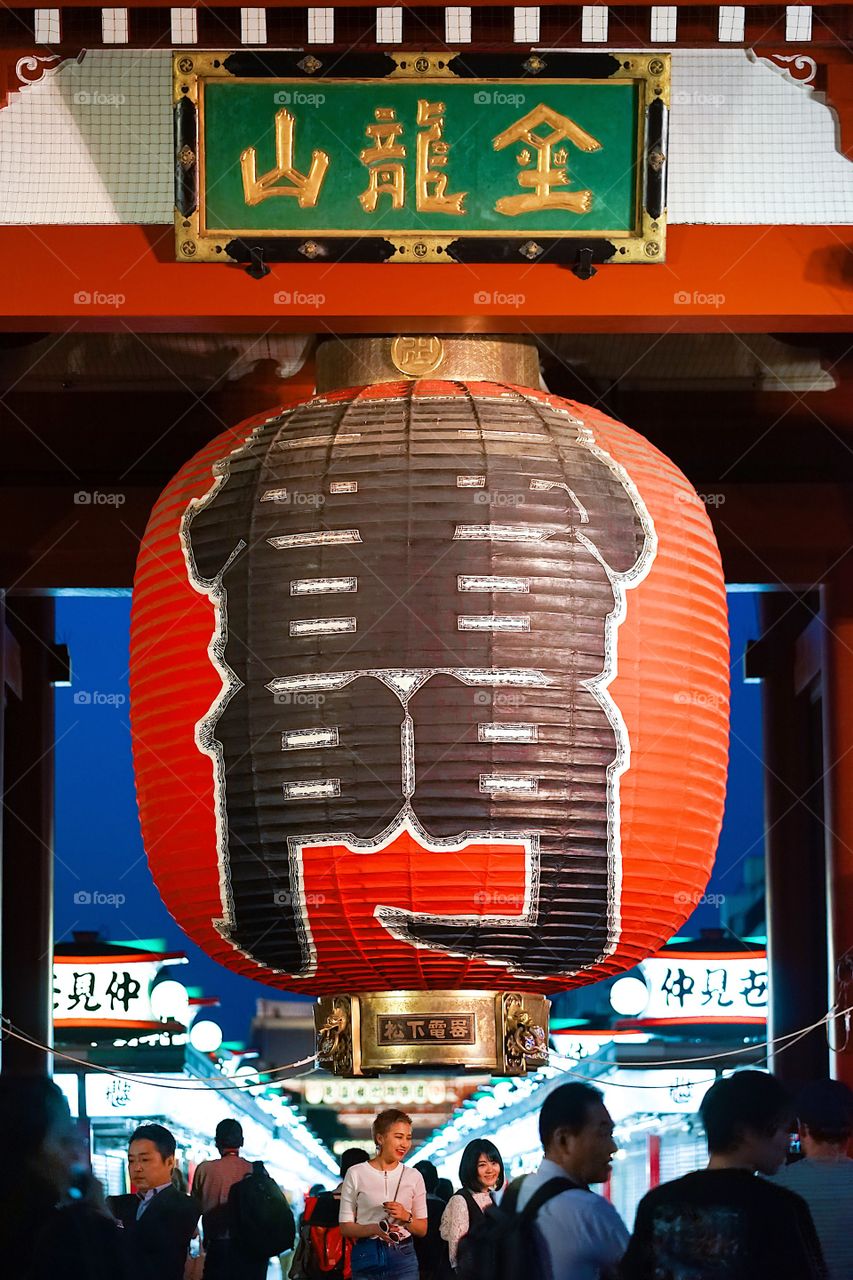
{"x":544,"y":176}
{"x":305,"y":187}
{"x":387,"y":174}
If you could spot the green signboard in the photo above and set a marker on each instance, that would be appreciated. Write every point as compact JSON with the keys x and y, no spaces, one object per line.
{"x":419,"y":164}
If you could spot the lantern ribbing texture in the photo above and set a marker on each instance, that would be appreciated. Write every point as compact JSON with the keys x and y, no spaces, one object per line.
{"x":429,"y":689}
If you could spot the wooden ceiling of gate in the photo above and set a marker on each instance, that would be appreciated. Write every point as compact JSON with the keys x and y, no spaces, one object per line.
{"x":776,"y":469}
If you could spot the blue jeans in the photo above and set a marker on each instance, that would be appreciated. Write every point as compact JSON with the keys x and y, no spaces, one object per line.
{"x":377,"y":1261}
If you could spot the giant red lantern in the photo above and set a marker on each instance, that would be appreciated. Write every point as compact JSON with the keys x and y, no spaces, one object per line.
{"x":429,"y":693}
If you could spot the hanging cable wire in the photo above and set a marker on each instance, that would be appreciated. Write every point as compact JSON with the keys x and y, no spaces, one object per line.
{"x":785,"y":1041}
{"x":791,"y":1036}
{"x":188,"y":1085}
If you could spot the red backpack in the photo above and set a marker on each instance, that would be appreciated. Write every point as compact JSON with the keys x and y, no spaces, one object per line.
{"x":322,"y":1253}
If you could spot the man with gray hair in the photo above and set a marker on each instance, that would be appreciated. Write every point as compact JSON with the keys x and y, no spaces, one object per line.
{"x":580,"y":1236}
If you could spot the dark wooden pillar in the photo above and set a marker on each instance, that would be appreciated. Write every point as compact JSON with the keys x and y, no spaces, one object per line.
{"x":794,"y":854}
{"x":27,"y":881}
{"x":838,"y":791}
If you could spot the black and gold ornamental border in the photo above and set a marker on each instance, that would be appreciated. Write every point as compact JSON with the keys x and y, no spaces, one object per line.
{"x":646,"y":243}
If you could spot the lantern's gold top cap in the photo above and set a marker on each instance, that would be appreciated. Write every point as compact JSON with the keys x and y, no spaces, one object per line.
{"x":352,"y":362}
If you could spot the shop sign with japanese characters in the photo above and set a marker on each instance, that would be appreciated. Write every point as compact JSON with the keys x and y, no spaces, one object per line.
{"x":706,"y":987}
{"x":104,"y":993}
{"x":426,"y":1028}
{"x":426,"y":162}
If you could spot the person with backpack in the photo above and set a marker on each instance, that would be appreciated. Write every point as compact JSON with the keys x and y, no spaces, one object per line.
{"x":262,"y":1225}
{"x":383,"y":1205}
{"x":322,"y":1251}
{"x":211,"y":1186}
{"x":550,"y":1225}
{"x":481,"y":1172}
{"x":245,"y":1216}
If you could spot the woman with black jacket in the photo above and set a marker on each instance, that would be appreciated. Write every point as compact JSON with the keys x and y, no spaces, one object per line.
{"x":481,"y":1173}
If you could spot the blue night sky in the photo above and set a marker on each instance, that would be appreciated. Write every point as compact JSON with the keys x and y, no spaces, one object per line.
{"x":98,"y":844}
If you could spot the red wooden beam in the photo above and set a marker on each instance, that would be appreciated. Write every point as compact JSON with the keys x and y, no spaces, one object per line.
{"x":746,"y":279}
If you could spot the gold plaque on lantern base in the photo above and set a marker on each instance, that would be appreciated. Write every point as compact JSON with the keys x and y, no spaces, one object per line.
{"x":353,"y":361}
{"x":505,"y":1032}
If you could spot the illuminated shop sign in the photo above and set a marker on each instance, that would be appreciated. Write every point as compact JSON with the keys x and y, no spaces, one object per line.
{"x":379,"y":1093}
{"x":706,"y":987}
{"x":102,"y":993}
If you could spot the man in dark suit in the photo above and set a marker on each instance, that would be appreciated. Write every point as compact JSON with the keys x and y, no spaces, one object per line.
{"x":158,"y":1220}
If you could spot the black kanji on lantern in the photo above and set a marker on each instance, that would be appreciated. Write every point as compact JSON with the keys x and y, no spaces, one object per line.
{"x":418,"y":605}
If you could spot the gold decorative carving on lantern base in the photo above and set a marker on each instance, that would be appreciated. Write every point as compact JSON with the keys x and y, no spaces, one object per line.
{"x":358,"y":361}
{"x":505,"y":1032}
{"x":335,"y":1035}
{"x":525,"y":1039}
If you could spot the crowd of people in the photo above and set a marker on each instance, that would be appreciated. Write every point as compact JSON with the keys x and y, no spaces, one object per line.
{"x":55,"y":1220}
{"x":756,"y":1212}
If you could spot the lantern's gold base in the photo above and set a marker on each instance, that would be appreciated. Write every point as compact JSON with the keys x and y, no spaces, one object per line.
{"x":505,"y":1032}
{"x":352,"y":362}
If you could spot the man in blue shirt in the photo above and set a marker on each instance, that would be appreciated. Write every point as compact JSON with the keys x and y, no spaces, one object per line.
{"x":580,"y":1235}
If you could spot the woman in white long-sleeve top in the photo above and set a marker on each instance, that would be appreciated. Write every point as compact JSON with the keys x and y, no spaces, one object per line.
{"x":481,"y":1173}
{"x":383,"y":1204}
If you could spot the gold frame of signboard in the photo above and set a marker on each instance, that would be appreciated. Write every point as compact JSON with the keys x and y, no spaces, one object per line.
{"x":645,"y":242}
